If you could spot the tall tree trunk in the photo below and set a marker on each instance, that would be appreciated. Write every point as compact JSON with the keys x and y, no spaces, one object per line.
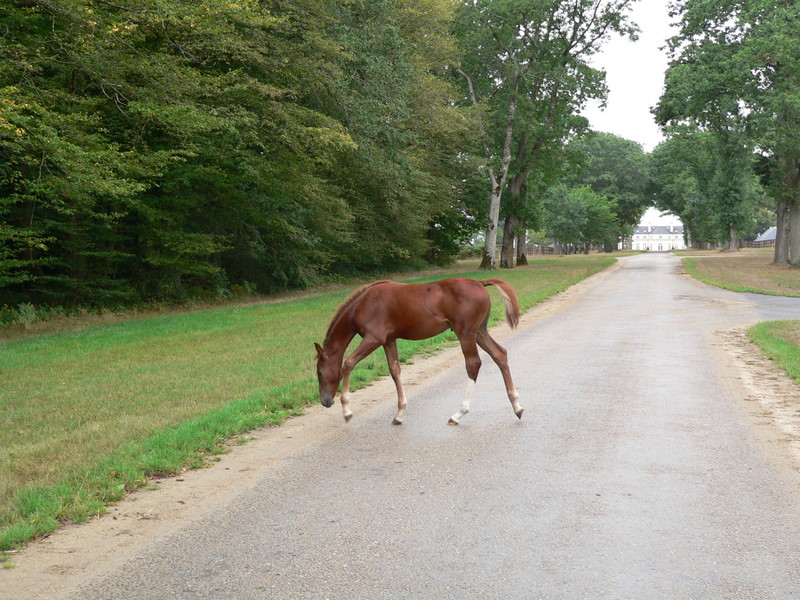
{"x":497,"y":191}
{"x":793,"y":212}
{"x":732,"y":245}
{"x":509,"y":238}
{"x":781,"y":256}
{"x":497,"y":182}
{"x":489,"y":260}
{"x":522,"y":245}
{"x":793,"y":219}
{"x":512,"y":222}
{"x":790,"y":252}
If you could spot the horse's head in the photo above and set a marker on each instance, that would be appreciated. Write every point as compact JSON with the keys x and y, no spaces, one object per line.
{"x":329,"y":374}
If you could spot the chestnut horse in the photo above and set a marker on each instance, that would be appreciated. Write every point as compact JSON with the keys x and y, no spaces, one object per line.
{"x":383,"y":311}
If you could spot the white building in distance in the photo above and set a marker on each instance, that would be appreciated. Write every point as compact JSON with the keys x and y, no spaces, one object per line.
{"x":658,"y":238}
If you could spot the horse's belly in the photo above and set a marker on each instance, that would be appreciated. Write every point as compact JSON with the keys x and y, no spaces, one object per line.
{"x":422,"y":331}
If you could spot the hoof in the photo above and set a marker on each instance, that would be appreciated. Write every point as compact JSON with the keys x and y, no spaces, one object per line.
{"x":519,"y":413}
{"x":396,"y":422}
{"x":347,"y":418}
{"x":452,"y":422}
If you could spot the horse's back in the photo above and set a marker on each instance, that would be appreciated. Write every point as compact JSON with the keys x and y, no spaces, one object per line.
{"x":441,"y":297}
{"x":458,"y":300}
{"x":463,"y":298}
{"x":422,"y":310}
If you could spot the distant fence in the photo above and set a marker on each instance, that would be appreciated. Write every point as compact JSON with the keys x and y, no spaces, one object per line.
{"x":534,"y":250}
{"x":764,"y":244}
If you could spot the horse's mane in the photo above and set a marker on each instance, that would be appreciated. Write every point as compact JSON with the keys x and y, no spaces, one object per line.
{"x":348,"y":303}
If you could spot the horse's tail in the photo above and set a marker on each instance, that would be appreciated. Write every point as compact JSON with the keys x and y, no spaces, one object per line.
{"x":509,"y":298}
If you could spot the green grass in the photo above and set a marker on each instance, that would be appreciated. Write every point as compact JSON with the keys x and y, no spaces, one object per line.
{"x":745,"y":272}
{"x":752,"y":271}
{"x":780,"y":340}
{"x":690,"y":265}
{"x":86,"y":416}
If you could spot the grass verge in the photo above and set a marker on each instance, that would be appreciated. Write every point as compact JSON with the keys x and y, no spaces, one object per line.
{"x":746,"y":271}
{"x":751,"y":271}
{"x":780,"y":340}
{"x":88,"y":415}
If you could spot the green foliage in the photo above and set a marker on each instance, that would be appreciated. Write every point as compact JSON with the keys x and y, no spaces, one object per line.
{"x":402,"y":180}
{"x":709,"y":182}
{"x":779,"y":341}
{"x":160,"y":150}
{"x":526,"y":70}
{"x":579,"y":217}
{"x":734,"y":73}
{"x":616,"y":168}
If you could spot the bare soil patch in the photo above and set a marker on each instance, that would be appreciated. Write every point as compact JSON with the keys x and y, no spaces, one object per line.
{"x":768,"y":387}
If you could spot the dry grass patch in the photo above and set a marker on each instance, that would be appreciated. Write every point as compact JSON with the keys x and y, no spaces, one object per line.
{"x":790,"y":332}
{"x":745,"y":271}
{"x":752,"y":271}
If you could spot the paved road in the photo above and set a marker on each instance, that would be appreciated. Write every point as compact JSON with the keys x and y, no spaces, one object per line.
{"x":638,"y":471}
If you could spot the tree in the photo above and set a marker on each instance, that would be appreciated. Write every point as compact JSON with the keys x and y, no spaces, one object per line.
{"x":617,"y":169}
{"x":154,"y":149}
{"x":577,"y":218}
{"x":401,"y":179}
{"x":165,"y":145}
{"x":682,"y":166}
{"x":712,"y":190}
{"x":526,"y":74}
{"x":734,"y":71}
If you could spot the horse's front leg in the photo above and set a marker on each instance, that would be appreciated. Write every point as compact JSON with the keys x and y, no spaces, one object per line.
{"x":473,"y":361}
{"x":364,"y":349}
{"x":344,"y":398}
{"x":393,"y":359}
{"x":465,"y":404}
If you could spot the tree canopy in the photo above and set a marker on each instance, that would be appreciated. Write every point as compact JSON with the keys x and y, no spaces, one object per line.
{"x":526,"y":71}
{"x":153,"y":148}
{"x":617,"y":169}
{"x":161,"y":150}
{"x":734,"y":74}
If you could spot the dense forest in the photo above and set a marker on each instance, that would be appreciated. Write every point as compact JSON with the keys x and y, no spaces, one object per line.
{"x":154,"y":149}
{"x":161,"y":150}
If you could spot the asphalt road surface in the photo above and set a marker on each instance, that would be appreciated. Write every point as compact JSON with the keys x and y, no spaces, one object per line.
{"x":641,"y":469}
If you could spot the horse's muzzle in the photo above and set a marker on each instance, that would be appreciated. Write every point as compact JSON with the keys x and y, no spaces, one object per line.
{"x":326,"y":401}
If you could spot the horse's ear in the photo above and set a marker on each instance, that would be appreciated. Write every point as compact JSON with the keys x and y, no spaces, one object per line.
{"x":320,"y":352}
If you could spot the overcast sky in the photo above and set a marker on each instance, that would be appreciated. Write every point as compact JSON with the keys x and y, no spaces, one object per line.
{"x":635,"y":77}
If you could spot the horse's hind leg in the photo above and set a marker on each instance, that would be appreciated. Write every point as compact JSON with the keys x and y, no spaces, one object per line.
{"x":473,"y":363}
{"x":500,"y":356}
{"x":394,"y":369}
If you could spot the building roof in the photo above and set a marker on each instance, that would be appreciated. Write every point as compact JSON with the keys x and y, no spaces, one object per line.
{"x":658,"y":229}
{"x":769,"y":234}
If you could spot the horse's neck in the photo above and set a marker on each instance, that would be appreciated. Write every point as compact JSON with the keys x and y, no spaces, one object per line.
{"x":340,"y":336}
